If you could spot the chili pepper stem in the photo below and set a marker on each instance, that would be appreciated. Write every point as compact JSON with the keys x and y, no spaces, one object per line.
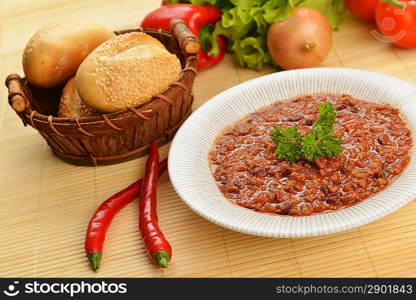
{"x":95,"y":260}
{"x":162,"y":258}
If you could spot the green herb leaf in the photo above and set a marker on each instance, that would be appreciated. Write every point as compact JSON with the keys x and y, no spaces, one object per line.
{"x":287,"y":143}
{"x":321,"y":141}
{"x":326,"y":115}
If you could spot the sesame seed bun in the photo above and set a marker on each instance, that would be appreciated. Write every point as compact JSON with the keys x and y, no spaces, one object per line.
{"x":54,"y":53}
{"x":126,"y":71}
{"x":71,"y":105}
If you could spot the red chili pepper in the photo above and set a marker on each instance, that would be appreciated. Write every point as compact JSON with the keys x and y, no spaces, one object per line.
{"x":101,"y":220}
{"x":157,"y":247}
{"x":197,"y":17}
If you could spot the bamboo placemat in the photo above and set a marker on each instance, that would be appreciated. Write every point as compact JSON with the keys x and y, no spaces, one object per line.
{"x":46,"y":203}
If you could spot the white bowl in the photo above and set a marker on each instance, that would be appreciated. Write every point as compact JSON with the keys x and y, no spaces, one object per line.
{"x":188,"y":157}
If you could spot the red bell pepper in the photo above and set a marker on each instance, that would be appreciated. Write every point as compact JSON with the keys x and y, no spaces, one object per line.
{"x":207,"y":58}
{"x":200,"y":20}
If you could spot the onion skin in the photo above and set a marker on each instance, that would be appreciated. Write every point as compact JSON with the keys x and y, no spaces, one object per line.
{"x":301,"y":41}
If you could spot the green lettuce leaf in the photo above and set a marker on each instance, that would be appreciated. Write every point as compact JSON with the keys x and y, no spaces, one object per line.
{"x":333,"y":10}
{"x":245,"y":24}
{"x":223,"y":4}
{"x":250,"y":52}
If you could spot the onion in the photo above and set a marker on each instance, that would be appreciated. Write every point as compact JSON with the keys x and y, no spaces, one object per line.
{"x":301,"y":41}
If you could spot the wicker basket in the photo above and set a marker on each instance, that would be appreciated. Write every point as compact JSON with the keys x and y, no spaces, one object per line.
{"x":113,"y":137}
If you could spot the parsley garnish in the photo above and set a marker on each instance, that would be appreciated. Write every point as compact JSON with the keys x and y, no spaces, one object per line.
{"x":288,"y":143}
{"x":320,"y":141}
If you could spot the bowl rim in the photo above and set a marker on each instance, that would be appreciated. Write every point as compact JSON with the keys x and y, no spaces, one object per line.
{"x":305,"y":226}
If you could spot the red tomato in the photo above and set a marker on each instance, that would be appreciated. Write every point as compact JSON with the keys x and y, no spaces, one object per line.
{"x":397,"y":24}
{"x":362,"y":9}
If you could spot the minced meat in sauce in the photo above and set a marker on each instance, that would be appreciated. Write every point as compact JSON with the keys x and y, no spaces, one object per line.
{"x":376,"y":149}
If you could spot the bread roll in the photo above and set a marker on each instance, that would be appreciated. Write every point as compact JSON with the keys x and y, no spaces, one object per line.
{"x":71,"y":105}
{"x":54,"y":53}
{"x":126,"y":71}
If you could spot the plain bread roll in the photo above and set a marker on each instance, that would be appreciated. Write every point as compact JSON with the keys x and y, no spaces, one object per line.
{"x":71,"y":105}
{"x":126,"y":71}
{"x":54,"y":53}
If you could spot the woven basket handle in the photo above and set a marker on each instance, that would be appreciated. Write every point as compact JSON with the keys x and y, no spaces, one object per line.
{"x":17,"y":97}
{"x":187,"y":40}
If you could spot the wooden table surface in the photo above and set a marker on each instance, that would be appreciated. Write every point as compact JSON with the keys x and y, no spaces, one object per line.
{"x":46,"y":203}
